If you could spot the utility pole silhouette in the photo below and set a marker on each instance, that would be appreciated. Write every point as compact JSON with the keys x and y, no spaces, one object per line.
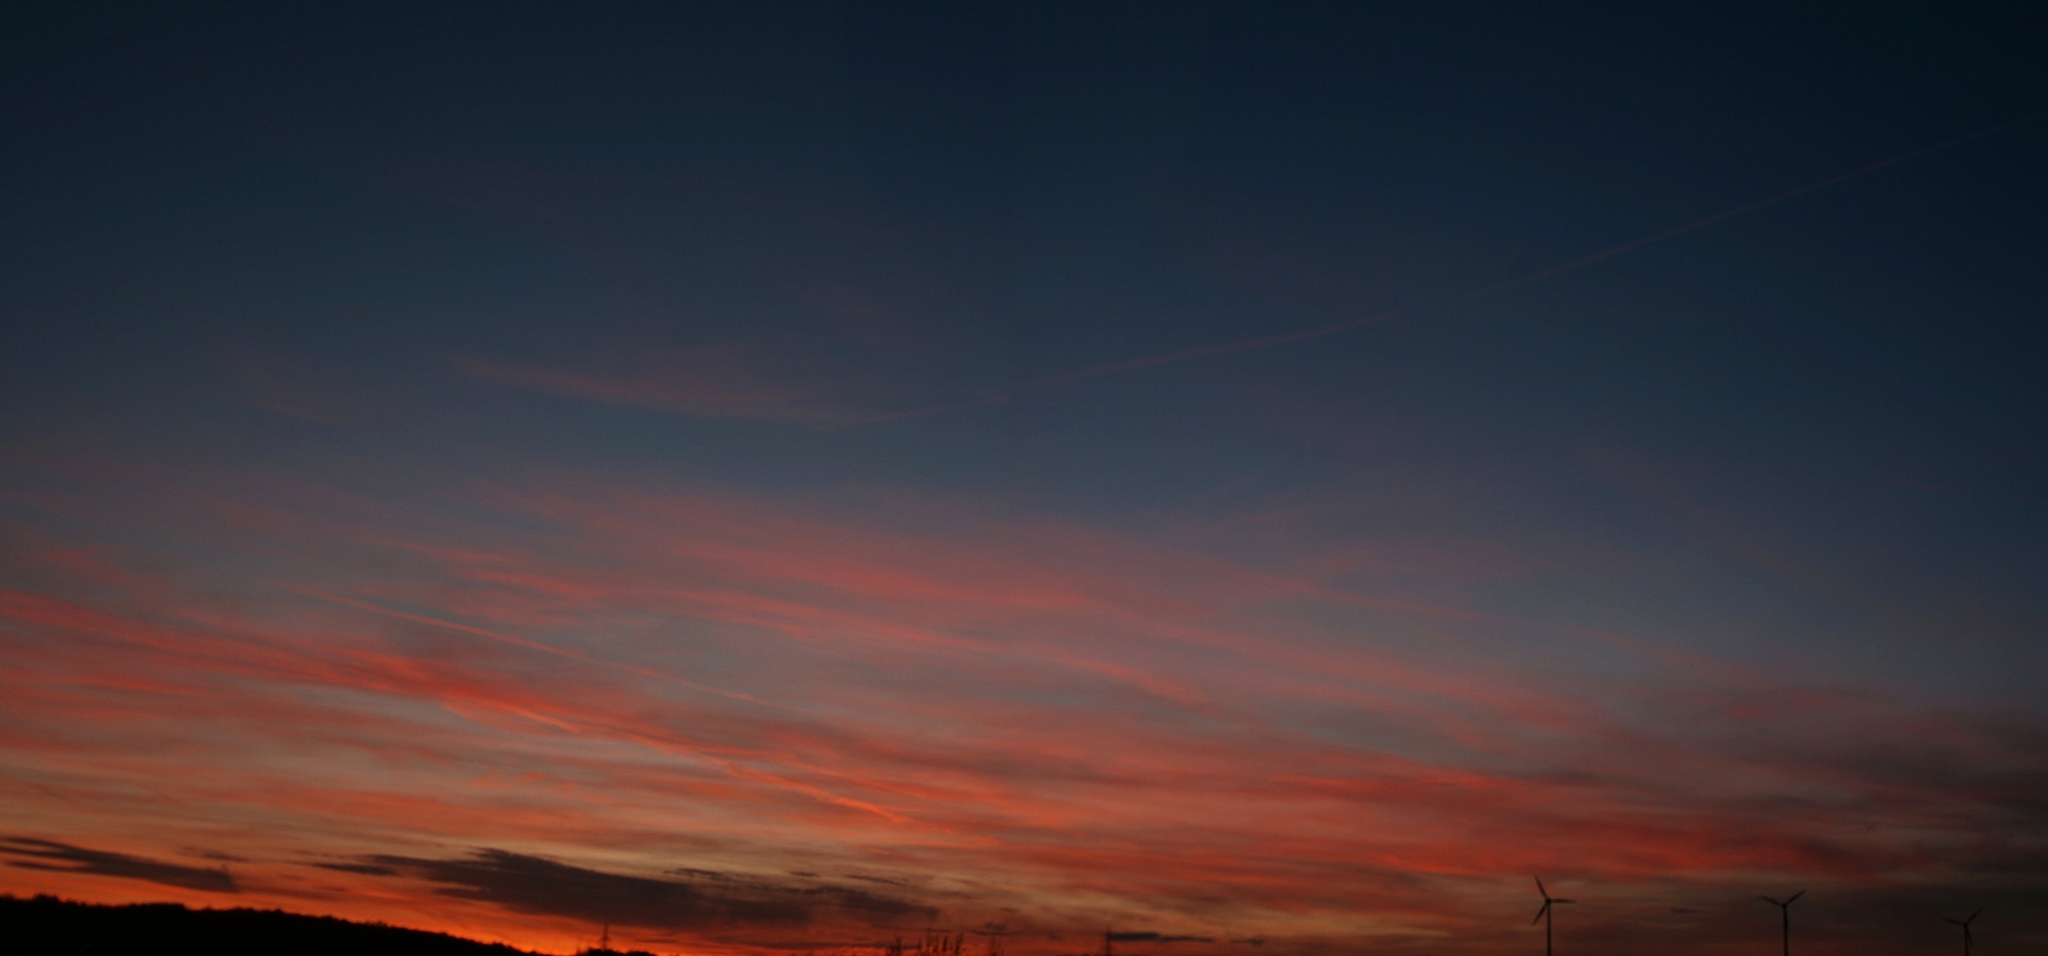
{"x":1543,"y":915}
{"x":1965,"y":924}
{"x":1785,"y":909}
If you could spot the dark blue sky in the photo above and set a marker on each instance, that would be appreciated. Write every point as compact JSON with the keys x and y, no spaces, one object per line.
{"x":879,"y":267}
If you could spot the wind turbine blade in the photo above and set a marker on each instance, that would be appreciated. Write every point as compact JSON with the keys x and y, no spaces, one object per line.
{"x":1789,"y":900}
{"x":1973,"y":917}
{"x":1564,"y":901}
{"x":1539,"y":913}
{"x":1956,"y":922}
{"x":1770,"y":901}
{"x":1540,"y":889}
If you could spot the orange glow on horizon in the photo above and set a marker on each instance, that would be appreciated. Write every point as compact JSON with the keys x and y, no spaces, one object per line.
{"x":1039,"y":726}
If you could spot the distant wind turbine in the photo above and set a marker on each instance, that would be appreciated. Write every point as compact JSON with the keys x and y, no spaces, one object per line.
{"x":1965,"y":924}
{"x":1543,"y":915}
{"x":1785,"y":909}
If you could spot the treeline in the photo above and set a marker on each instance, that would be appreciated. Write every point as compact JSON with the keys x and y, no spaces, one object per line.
{"x":48,"y":926}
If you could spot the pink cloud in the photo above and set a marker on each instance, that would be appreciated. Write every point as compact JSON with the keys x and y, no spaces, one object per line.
{"x":1028,"y":721}
{"x":703,"y":382}
{"x":299,"y":389}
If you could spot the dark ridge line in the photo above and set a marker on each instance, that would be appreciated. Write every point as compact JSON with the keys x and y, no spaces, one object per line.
{"x":46,"y":925}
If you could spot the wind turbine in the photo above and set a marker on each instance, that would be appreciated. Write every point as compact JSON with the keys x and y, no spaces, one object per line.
{"x":1543,"y":915}
{"x":1965,"y":924}
{"x":1785,"y":908}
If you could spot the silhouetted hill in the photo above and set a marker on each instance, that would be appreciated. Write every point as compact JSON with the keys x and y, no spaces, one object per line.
{"x":46,"y":926}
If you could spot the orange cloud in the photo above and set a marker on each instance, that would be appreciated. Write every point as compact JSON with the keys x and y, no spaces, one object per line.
{"x":402,"y":716}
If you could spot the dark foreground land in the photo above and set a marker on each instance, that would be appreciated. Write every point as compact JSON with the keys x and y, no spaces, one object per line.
{"x":45,"y":926}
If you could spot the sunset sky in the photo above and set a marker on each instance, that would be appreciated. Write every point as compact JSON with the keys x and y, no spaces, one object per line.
{"x":1254,"y":479}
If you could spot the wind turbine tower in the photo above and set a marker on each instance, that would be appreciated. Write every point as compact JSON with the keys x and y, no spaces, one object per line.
{"x":1785,"y":909}
{"x":1965,"y":924}
{"x":1543,"y":915}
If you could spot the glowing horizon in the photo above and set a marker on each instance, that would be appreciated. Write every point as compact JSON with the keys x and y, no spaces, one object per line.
{"x":824,"y":725}
{"x":1205,"y":479}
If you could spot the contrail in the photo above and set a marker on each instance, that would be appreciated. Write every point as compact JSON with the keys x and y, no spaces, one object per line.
{"x":1332,"y":328}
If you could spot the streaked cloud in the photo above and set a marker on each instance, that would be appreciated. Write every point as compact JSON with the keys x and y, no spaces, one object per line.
{"x":704,"y":382}
{"x":1000,"y":719}
{"x":296,"y":388}
{"x":706,"y":899}
{"x":30,"y":853}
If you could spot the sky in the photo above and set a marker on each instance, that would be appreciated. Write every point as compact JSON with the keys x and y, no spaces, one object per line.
{"x":1202,"y":479}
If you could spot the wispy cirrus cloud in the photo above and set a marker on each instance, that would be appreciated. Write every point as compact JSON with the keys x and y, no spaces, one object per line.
{"x":296,"y":388}
{"x":703,"y":382}
{"x":1018,"y":720}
